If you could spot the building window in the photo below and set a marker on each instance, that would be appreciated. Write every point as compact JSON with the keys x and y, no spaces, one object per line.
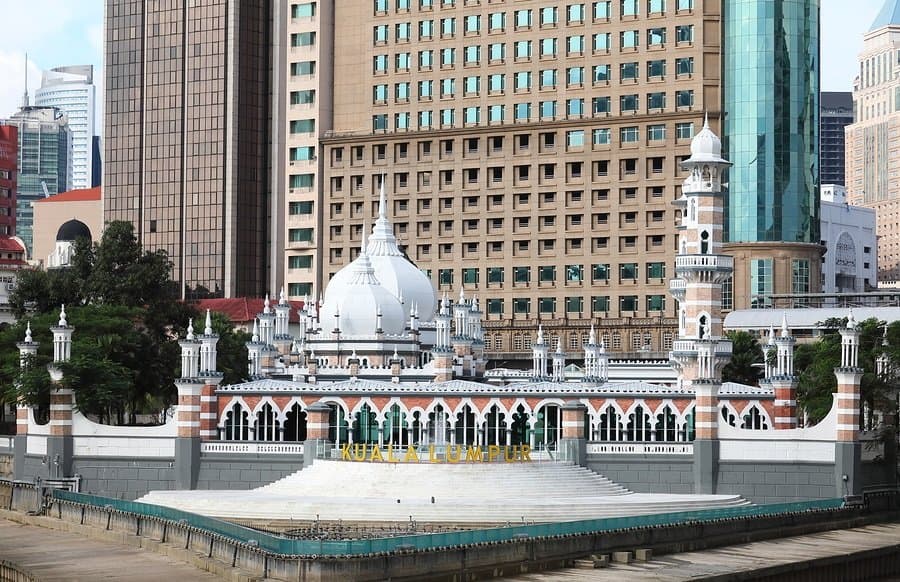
{"x":628,"y":303}
{"x":656,"y":37}
{"x":628,"y":272}
{"x":629,"y":7}
{"x":495,"y":275}
{"x":497,"y":22}
{"x":629,"y":134}
{"x":601,"y":136}
{"x":656,"y":270}
{"x":656,"y":100}
{"x":684,"y":98}
{"x":684,"y":130}
{"x":601,"y":42}
{"x":301,"y":181}
{"x":303,"y":126}
{"x":470,"y":276}
{"x":547,"y":305}
{"x":684,"y":66}
{"x":799,"y":276}
{"x":629,"y":39}
{"x":300,"y":235}
{"x":494,"y":306}
{"x":628,"y":103}
{"x":299,"y":261}
{"x":547,"y":274}
{"x":300,"y":208}
{"x":601,"y":105}
{"x":303,"y":39}
{"x":303,"y":68}
{"x":761,"y":283}
{"x":575,"y":13}
{"x":684,"y":33}
{"x":303,"y":10}
{"x":574,"y":304}
{"x":575,"y":139}
{"x":728,"y":294}
{"x":600,"y":272}
{"x":445,"y":276}
{"x":522,"y":305}
{"x":600,"y":303}
{"x":656,"y":303}
{"x":602,"y":10}
{"x":656,"y":132}
{"x":628,"y":71}
{"x":302,"y":154}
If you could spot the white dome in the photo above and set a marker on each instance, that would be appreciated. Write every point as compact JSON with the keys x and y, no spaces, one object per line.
{"x":395,"y":272}
{"x":706,"y":145}
{"x":356,"y":296}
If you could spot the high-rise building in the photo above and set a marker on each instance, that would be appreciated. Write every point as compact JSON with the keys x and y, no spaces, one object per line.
{"x":44,"y":161}
{"x":835,"y":113}
{"x":531,"y":152}
{"x":71,"y":90}
{"x":303,"y":105}
{"x":873,"y":159}
{"x":771,"y":90}
{"x":187,"y":141}
{"x":9,"y":167}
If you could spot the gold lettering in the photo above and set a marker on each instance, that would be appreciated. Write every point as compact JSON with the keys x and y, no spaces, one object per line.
{"x":390,"y":450}
{"x":359,"y":452}
{"x":454,"y":452}
{"x":526,"y":453}
{"x":411,"y":456}
{"x":345,"y":452}
{"x":431,"y":456}
{"x":474,"y":454}
{"x":509,"y":454}
{"x":493,"y":453}
{"x":376,"y":454}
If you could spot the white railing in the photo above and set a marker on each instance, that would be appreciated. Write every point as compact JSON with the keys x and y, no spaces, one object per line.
{"x":640,"y":448}
{"x":704,"y":262}
{"x":248,"y":448}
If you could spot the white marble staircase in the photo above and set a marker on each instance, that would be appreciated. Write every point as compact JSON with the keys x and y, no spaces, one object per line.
{"x":436,"y":493}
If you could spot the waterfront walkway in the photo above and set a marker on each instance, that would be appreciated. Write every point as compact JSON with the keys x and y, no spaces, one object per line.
{"x":793,"y":558}
{"x":50,"y":555}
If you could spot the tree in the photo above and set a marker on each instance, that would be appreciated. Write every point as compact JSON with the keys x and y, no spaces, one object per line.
{"x":746,"y":358}
{"x":125,"y":352}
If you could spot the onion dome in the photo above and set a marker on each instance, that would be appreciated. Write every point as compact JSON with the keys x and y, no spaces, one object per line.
{"x":706,"y":145}
{"x":357,"y":295}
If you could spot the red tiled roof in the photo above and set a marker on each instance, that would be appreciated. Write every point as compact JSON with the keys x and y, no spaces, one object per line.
{"x":9,"y":244}
{"x":84,"y":195}
{"x":244,"y":309}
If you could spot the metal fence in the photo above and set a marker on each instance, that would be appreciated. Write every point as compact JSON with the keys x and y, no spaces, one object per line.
{"x":285,"y":546}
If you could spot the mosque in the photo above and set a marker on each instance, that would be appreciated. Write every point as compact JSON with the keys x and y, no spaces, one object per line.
{"x":384,"y":373}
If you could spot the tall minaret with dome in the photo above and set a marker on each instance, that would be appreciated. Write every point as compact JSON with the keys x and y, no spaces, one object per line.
{"x":701,"y":351}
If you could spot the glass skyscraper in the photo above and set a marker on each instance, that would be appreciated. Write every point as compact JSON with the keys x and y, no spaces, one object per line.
{"x":771,"y":119}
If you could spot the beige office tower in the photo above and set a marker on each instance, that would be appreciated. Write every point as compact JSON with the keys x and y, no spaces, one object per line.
{"x":872,"y":154}
{"x":531,"y":151}
{"x":303,"y":80}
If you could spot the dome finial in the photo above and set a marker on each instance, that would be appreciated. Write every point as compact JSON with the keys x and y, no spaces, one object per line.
{"x":706,"y":120}
{"x":267,"y":305}
{"x":282,"y":297}
{"x":190,"y":329}
{"x":771,"y":335}
{"x":28,"y":339}
{"x":208,"y":329}
{"x":62,"y":316}
{"x":784,"y":326}
{"x":592,"y":339}
{"x":851,"y":321}
{"x":540,"y":337}
{"x":255,"y":335}
{"x":559,"y":345}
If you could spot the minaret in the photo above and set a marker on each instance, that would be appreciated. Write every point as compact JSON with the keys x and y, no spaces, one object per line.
{"x":27,"y":349}
{"x":701,"y":351}
{"x":602,"y":363}
{"x":848,"y":478}
{"x":539,"y":356}
{"x":62,"y":402}
{"x":590,"y":357}
{"x":442,"y":352}
{"x":783,"y":381}
{"x":190,"y":354}
{"x":282,"y":338}
{"x":254,"y":353}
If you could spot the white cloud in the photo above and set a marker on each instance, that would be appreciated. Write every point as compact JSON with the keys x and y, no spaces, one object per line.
{"x":12,"y":71}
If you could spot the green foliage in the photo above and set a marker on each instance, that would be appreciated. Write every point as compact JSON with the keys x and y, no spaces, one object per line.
{"x":127,"y":319}
{"x":815,"y":364}
{"x":746,"y":359}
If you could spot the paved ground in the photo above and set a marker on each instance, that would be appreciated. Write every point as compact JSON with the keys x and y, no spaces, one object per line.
{"x":734,"y":559}
{"x":56,"y":555}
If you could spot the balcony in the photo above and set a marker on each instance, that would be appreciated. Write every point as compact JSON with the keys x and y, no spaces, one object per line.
{"x":704,"y":263}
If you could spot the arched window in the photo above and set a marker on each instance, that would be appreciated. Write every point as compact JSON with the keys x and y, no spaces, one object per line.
{"x":548,"y":426}
{"x":495,"y":427}
{"x":665,"y":428}
{"x":704,"y":242}
{"x":295,"y":424}
{"x":465,"y":429}
{"x":608,"y":427}
{"x":365,"y":426}
{"x":395,"y":426}
{"x":417,"y":432}
{"x":439,"y":425}
{"x":337,"y":424}
{"x":687,"y":430}
{"x":519,"y":434}
{"x":237,"y":423}
{"x":267,"y":425}
{"x":754,"y":419}
{"x":638,"y":428}
{"x":728,"y":417}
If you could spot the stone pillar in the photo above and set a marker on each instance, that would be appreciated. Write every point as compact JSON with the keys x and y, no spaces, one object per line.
{"x":27,"y":349}
{"x":706,"y":441}
{"x":316,"y":431}
{"x":785,"y":401}
{"x":187,"y":443}
{"x":209,"y":411}
{"x":443,"y":365}
{"x":573,"y":444}
{"x":847,"y":453}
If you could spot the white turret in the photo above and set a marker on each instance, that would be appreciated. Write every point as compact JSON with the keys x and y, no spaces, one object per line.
{"x":190,"y":353}
{"x":539,"y":356}
{"x":208,"y":354}
{"x":62,"y":338}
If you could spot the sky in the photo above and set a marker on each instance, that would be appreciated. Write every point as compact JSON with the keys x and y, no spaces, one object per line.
{"x":70,"y":32}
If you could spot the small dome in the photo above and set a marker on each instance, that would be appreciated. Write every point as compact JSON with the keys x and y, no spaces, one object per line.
{"x":72,"y":231}
{"x":706,"y":145}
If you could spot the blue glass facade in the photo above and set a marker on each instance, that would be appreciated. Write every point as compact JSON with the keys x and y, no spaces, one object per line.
{"x":771,"y":85}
